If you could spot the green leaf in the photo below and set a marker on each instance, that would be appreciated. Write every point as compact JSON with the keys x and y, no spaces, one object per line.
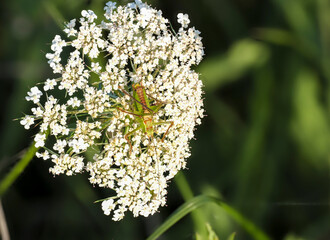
{"x":310,"y":125}
{"x":244,"y":55}
{"x":197,"y":215}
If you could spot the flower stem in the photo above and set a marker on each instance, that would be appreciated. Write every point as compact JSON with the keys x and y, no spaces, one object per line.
{"x":18,"y":169}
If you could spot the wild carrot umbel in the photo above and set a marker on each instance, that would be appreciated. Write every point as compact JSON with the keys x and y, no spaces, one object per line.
{"x":130,"y":95}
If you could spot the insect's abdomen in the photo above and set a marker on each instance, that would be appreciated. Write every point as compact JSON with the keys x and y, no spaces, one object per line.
{"x":140,"y":92}
{"x":147,"y":119}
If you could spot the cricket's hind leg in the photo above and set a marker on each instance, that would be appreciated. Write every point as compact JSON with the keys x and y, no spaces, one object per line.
{"x":162,"y":123}
{"x":129,"y":141}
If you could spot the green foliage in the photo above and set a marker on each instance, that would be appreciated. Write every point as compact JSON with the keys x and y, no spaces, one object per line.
{"x":199,"y":201}
{"x":293,"y":237}
{"x":232,"y":236}
{"x":263,"y":148}
{"x":244,"y":55}
{"x":18,"y":169}
{"x":310,"y":123}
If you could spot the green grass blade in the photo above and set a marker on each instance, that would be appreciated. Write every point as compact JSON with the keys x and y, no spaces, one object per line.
{"x":187,"y":194}
{"x":18,"y":169}
{"x":199,"y":201}
{"x":182,"y":211}
{"x":249,"y":226}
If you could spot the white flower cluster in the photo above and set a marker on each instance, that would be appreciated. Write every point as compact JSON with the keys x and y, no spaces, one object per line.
{"x":97,"y":111}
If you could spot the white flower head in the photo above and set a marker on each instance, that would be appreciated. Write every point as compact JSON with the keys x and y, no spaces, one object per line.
{"x":34,"y":95}
{"x":45,"y":155}
{"x":60,"y":145}
{"x":69,"y":28}
{"x":50,"y":84}
{"x":140,"y":4}
{"x":58,"y":44}
{"x":96,"y":67}
{"x":40,"y":140}
{"x":109,"y":7}
{"x":108,"y":206}
{"x":89,"y":15}
{"x":37,"y":112}
{"x":126,"y":91}
{"x":183,"y":19}
{"x":74,"y":102}
{"x":27,"y":121}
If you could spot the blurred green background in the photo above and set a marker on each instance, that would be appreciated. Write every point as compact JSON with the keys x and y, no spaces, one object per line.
{"x":264,"y":146}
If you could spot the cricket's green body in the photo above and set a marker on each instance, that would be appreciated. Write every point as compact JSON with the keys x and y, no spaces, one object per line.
{"x":144,"y":112}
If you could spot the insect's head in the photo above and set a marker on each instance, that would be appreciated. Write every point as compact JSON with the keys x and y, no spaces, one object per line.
{"x":136,"y":85}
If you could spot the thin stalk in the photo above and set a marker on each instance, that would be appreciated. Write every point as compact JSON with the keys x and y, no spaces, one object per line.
{"x":18,"y":169}
{"x":4,"y":233}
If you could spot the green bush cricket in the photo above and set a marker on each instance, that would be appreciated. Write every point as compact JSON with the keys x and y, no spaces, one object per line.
{"x":143,"y":112}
